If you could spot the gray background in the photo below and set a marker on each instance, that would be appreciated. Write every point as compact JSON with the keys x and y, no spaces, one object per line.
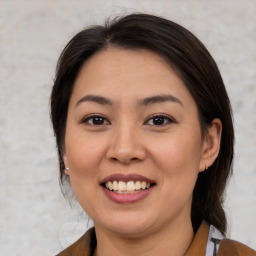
{"x":35,"y":218}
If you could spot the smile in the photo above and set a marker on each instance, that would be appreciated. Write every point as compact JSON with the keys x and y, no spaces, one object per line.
{"x":127,"y":188}
{"x":122,"y":187}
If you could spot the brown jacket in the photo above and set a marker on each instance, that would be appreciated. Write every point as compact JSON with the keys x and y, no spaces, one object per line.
{"x":86,"y":244}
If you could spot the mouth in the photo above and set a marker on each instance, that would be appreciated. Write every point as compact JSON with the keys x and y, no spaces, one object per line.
{"x":122,"y":187}
{"x":127,"y":184}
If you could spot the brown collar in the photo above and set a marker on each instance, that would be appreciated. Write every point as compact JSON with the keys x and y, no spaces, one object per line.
{"x":87,"y":243}
{"x":198,"y":245}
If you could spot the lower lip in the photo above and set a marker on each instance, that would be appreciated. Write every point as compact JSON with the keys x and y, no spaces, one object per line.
{"x":127,"y":198}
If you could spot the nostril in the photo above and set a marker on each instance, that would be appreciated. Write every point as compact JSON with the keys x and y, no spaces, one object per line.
{"x":124,"y":160}
{"x":114,"y":159}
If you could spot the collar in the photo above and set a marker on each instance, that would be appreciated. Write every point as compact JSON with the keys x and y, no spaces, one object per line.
{"x":199,"y":243}
{"x":87,"y":243}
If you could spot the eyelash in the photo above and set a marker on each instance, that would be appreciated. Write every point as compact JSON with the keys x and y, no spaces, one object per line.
{"x":88,"y":118}
{"x":167,"y":120}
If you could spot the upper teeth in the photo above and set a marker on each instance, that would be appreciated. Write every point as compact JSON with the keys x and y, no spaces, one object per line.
{"x":122,"y":186}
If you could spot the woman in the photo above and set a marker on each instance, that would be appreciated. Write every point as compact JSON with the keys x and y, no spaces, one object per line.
{"x":145,"y":136}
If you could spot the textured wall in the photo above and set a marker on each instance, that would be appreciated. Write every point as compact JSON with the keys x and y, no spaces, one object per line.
{"x":35,"y":219}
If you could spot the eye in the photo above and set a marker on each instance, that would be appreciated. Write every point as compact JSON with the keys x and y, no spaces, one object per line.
{"x":159,"y":120}
{"x":96,"y":120}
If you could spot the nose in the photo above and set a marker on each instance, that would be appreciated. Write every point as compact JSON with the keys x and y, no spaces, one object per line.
{"x":126,"y":146}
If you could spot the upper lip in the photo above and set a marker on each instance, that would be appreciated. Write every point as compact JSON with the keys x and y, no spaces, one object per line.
{"x":126,"y":178}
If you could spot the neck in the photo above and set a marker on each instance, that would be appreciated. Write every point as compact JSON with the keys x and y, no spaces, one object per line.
{"x":174,"y":239}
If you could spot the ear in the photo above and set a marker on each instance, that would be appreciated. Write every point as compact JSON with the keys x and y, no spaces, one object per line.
{"x":65,"y":161}
{"x":211,"y":145}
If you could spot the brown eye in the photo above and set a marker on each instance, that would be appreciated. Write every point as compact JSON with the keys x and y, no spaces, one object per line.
{"x":159,"y":120}
{"x":96,"y":120}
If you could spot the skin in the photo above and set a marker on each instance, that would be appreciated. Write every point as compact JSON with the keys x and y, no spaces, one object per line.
{"x":129,"y":141}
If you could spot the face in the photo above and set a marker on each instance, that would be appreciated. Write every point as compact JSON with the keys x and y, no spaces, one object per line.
{"x":133,"y":142}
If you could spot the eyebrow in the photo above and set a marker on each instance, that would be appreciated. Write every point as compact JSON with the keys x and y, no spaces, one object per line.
{"x":95,"y":98}
{"x":159,"y":99}
{"x":144,"y":102}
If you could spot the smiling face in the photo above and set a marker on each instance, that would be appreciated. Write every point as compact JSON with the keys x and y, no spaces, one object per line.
{"x":133,"y":143}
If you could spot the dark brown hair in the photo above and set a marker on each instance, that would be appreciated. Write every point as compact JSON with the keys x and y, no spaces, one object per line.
{"x":192,"y":63}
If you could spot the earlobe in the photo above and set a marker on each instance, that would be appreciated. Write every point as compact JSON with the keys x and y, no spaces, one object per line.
{"x":211,"y":145}
{"x":65,"y":164}
{"x":66,"y":170}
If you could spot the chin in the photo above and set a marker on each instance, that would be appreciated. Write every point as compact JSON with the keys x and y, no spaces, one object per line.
{"x":130,"y":231}
{"x":130,"y":226}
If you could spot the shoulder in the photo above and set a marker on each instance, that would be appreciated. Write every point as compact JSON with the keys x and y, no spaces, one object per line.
{"x":82,"y":247}
{"x":230,"y":247}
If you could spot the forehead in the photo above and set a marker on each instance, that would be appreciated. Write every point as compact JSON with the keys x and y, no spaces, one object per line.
{"x":126,"y":63}
{"x":126,"y":73}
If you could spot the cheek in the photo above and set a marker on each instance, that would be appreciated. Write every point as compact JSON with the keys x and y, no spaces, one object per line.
{"x":177,"y":153}
{"x":178,"y":163}
{"x":177,"y":159}
{"x":83,"y":156}
{"x":83,"y":153}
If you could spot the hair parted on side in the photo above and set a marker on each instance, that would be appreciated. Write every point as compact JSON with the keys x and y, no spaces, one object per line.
{"x":193,"y":64}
